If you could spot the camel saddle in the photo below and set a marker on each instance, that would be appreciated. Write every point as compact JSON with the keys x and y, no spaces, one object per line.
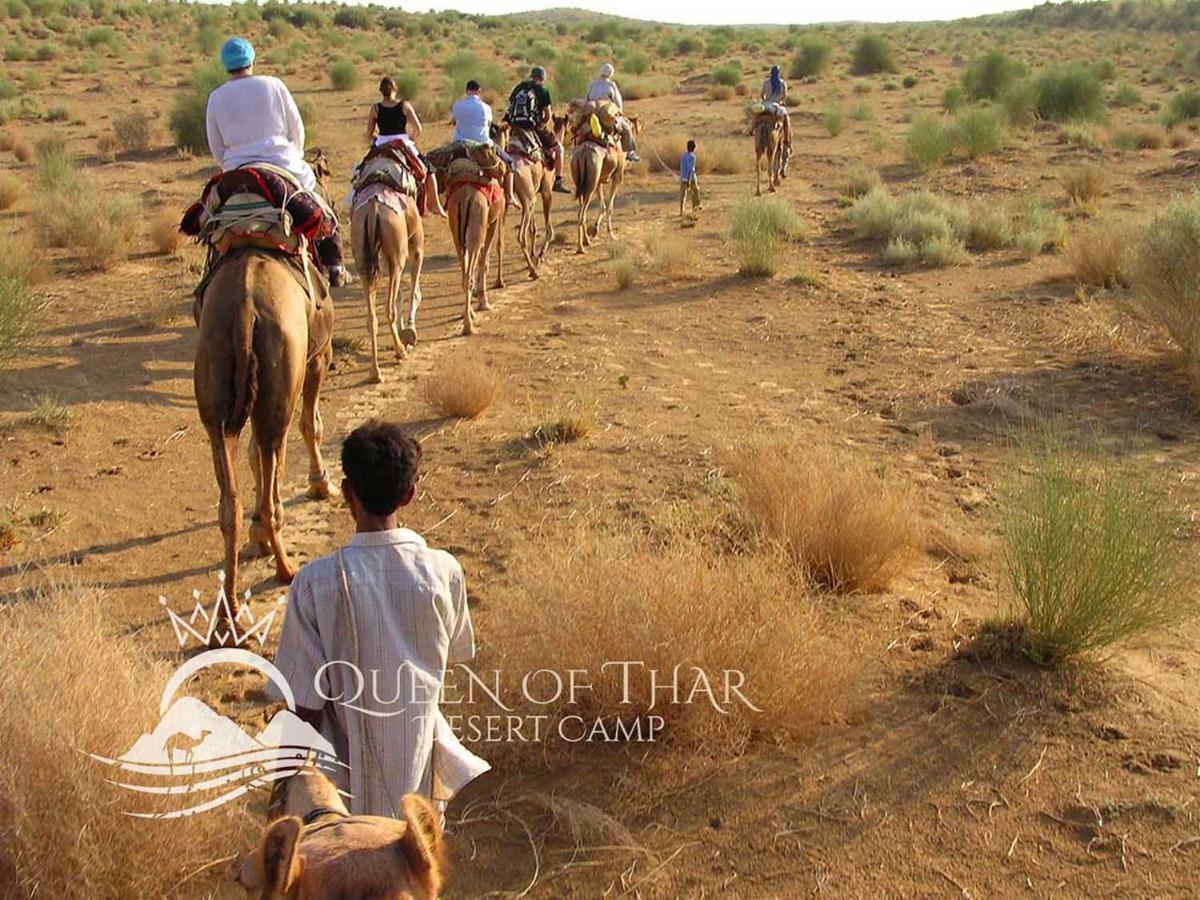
{"x":483,"y":156}
{"x":526,"y":142}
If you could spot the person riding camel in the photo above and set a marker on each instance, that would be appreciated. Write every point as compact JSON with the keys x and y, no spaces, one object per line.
{"x":393,"y":119}
{"x":774,"y":98}
{"x":529,"y":106}
{"x":253,"y":119}
{"x":472,"y":119}
{"x":604,"y":88}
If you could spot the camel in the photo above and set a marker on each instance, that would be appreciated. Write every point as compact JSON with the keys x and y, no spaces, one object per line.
{"x":381,"y":232}
{"x":476,"y":216}
{"x":592,"y":167}
{"x":768,"y":141}
{"x":318,"y":851}
{"x":253,"y":365}
{"x":181,"y":740}
{"x":531,"y":179}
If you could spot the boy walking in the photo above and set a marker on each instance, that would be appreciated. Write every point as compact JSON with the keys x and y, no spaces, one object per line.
{"x":370,"y":632}
{"x":689,"y":186}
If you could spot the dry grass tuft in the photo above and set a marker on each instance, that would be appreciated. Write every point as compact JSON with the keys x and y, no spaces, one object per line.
{"x":71,"y":685}
{"x":10,"y":191}
{"x":165,"y":233}
{"x":22,"y":151}
{"x":722,"y":156}
{"x":51,"y":414}
{"x":464,"y":388}
{"x":841,"y":522}
{"x":572,"y":423}
{"x":1084,"y":185}
{"x":1099,"y":256}
{"x":679,"y":603}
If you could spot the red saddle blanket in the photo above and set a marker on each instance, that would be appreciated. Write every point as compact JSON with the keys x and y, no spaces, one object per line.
{"x":308,"y":216}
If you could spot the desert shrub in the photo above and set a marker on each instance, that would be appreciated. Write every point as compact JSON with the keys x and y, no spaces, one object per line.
{"x":99,"y":228}
{"x":988,"y":227}
{"x":1038,"y":229}
{"x":165,"y":234}
{"x":909,"y":81}
{"x":794,"y":673}
{"x":860,"y":112}
{"x":622,"y":268}
{"x":1091,"y":556}
{"x":1166,"y":269}
{"x":719,"y":92}
{"x":1069,"y":93}
{"x":811,"y":59}
{"x":845,"y":526}
{"x":860,"y":181}
{"x":899,"y":253}
{"x":134,"y":132}
{"x":569,"y":422}
{"x":929,"y":141}
{"x":8,"y":90}
{"x":17,"y":311}
{"x":952,"y":98}
{"x":1146,"y":137}
{"x":65,"y":831}
{"x":10,"y":191}
{"x":636,"y":62}
{"x":727,"y":74}
{"x":1020,"y":102}
{"x":1183,"y":106}
{"x":409,"y":84}
{"x":758,"y":228}
{"x":687,"y":45}
{"x":189,"y":109}
{"x":57,"y":168}
{"x":835,"y":120}
{"x":22,"y":151}
{"x":872,"y":54}
{"x":982,"y":130}
{"x":1098,"y":257}
{"x":1105,"y":69}
{"x":208,"y":39}
{"x":464,"y":388}
{"x":463,"y":65}
{"x":649,"y":86}
{"x":343,"y":75}
{"x":1084,"y":185}
{"x":354,"y":17}
{"x":987,"y":77}
{"x":874,"y":214}
{"x":941,"y":251}
{"x":569,"y":78}
{"x":1126,"y":95}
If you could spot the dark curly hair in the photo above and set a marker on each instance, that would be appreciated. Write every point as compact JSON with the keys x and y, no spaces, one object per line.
{"x":381,"y":463}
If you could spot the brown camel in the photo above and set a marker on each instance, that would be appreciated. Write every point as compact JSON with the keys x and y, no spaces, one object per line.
{"x":531,"y":179}
{"x":253,"y":364}
{"x":768,"y":142}
{"x":318,"y":851}
{"x":181,"y":740}
{"x":592,"y":167}
{"x":476,"y":215}
{"x":382,"y":235}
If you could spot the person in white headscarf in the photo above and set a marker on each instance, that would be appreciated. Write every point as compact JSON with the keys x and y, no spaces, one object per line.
{"x":604,"y":88}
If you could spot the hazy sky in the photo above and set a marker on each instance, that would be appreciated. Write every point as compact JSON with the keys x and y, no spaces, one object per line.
{"x":732,"y":12}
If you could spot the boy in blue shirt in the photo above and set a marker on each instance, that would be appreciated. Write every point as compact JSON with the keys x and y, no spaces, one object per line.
{"x":688,"y":185}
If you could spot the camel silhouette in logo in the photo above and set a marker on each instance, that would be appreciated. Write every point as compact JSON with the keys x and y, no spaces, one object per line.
{"x":181,"y":740}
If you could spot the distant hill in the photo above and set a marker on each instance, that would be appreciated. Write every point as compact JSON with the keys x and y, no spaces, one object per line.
{"x":1148,"y":15}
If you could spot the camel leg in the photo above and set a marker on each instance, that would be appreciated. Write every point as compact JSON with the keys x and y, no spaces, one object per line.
{"x":313,"y":428}
{"x":256,"y":542}
{"x":416,"y":260}
{"x":757,"y":174}
{"x":612,"y":199}
{"x":270,"y":458}
{"x":369,"y":288}
{"x":229,"y":509}
{"x":499,"y":255}
{"x":584,"y":202}
{"x":467,"y":261}
{"x":548,"y":238}
{"x":603,"y":206}
{"x":494,"y":233}
{"x":396,"y":265}
{"x":526,"y":238}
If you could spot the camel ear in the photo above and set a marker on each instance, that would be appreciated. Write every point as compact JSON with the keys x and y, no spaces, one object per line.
{"x":422,"y":843}
{"x":281,"y":860}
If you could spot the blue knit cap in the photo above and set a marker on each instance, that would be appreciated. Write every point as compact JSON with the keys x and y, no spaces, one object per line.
{"x":236,"y":53}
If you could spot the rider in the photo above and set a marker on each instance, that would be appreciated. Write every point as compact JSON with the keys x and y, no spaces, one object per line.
{"x":529,"y":107}
{"x":253,"y":119}
{"x":604,"y":88}
{"x":774,"y":96}
{"x":392,"y":119}
{"x":472,"y":119}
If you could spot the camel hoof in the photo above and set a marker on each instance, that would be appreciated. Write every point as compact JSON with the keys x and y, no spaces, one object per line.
{"x":408,"y":336}
{"x":318,"y":490}
{"x":255,"y":549}
{"x":285,"y":572}
{"x":376,"y":377}
{"x":468,"y":329}
{"x":484,"y":306}
{"x":533,"y":275}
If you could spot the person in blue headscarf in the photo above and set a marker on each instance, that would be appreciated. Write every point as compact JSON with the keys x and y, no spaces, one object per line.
{"x":774,"y":98}
{"x":253,"y":119}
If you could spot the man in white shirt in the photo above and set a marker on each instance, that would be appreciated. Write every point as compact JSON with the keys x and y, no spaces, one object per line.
{"x":253,"y":119}
{"x":604,"y":88}
{"x":472,"y":119}
{"x":370,"y":632}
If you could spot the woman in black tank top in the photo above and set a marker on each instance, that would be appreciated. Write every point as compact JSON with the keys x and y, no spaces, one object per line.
{"x":396,"y":119}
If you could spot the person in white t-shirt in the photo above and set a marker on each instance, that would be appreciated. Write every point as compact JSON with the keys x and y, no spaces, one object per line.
{"x":604,"y":88}
{"x":253,"y":119}
{"x":472,"y":119}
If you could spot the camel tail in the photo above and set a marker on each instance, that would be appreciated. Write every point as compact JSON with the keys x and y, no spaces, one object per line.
{"x":245,"y":369}
{"x":372,"y":241}
{"x":464,"y":223}
{"x":584,"y":183}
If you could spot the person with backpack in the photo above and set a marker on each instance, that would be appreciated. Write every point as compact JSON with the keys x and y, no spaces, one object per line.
{"x":529,"y":106}
{"x":604,"y":88}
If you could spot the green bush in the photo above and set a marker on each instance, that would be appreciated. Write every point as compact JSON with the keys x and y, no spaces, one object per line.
{"x":57,"y":168}
{"x":1070,"y":93}
{"x":909,"y":81}
{"x":728,"y":74}
{"x":8,"y":90}
{"x":1091,"y":557}
{"x":463,"y":65}
{"x":569,"y":79}
{"x":952,"y":98}
{"x":409,"y":84}
{"x":1019,"y":101}
{"x":17,"y":311}
{"x":987,"y":77}
{"x":1105,"y":69}
{"x":1126,"y":95}
{"x":636,"y":63}
{"x":929,"y":141}
{"x":189,"y":110}
{"x":1166,"y":269}
{"x":354,"y":17}
{"x":835,"y":120}
{"x":982,"y":130}
{"x":758,"y":227}
{"x":343,"y":76}
{"x":872,"y":54}
{"x":812,"y":58}
{"x":1183,"y":106}
{"x":687,"y":45}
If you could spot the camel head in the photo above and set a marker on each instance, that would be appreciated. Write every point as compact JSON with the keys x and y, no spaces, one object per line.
{"x":636,"y":122}
{"x":498,"y":132}
{"x":345,"y":856}
{"x":559,"y":124}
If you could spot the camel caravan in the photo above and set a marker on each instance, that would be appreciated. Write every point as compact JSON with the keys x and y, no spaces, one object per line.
{"x":265,"y":317}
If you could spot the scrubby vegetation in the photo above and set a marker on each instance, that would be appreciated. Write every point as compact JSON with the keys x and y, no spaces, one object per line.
{"x":1166,"y":269}
{"x":759,"y":228}
{"x":463,"y":388}
{"x":872,"y":54}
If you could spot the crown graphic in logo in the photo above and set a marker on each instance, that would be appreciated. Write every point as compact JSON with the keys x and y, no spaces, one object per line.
{"x":217,"y":626}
